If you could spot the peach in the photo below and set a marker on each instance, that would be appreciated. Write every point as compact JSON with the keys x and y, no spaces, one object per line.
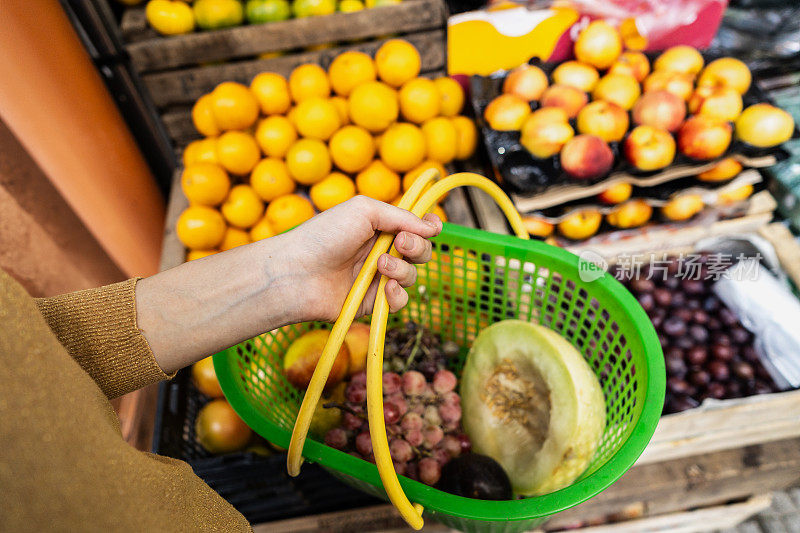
{"x":720,"y":102}
{"x":649,"y":148}
{"x":580,"y":225}
{"x":570,"y":99}
{"x":733,"y":196}
{"x":548,"y":139}
{"x":576,"y":74}
{"x":677,"y":83}
{"x":631,"y":64}
{"x":631,"y":214}
{"x":764,"y":125}
{"x":526,"y":81}
{"x":537,"y":227}
{"x":683,"y":207}
{"x":724,"y":170}
{"x":303,"y":354}
{"x":680,"y":58}
{"x":618,"y":89}
{"x":617,"y":193}
{"x":507,"y":112}
{"x":702,"y":137}
{"x":604,"y":119}
{"x":357,"y":341}
{"x":586,"y":157}
{"x":727,"y":72}
{"x":540,"y":117}
{"x":599,"y":44}
{"x":631,"y":38}
{"x":660,"y":109}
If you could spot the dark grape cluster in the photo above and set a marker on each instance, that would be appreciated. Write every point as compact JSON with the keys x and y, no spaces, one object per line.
{"x":422,"y":419}
{"x":414,"y":347}
{"x":707,"y":351}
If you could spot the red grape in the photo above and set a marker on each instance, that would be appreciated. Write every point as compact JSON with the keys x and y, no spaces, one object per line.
{"x":411,"y":421}
{"x":450,"y":413}
{"x":444,"y":381}
{"x":336,"y":438}
{"x":432,"y":435}
{"x":418,"y":407}
{"x":429,"y":471}
{"x":412,"y":471}
{"x":451,"y":398}
{"x":413,"y":383}
{"x":391,"y":413}
{"x":356,"y":393}
{"x":401,"y":451}
{"x":413,"y":436}
{"x":400,"y":468}
{"x":351,"y":421}
{"x":399,"y":400}
{"x":432,"y":415}
{"x":364,"y":443}
{"x":466,"y":444}
{"x":452,"y":445}
{"x":391,"y":383}
{"x":441,"y":455}
{"x":359,"y":379}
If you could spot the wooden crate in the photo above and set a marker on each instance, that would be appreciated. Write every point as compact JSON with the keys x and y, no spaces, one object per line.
{"x":177,"y":70}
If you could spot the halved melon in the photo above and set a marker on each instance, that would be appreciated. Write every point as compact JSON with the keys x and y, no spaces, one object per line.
{"x":532,"y":403}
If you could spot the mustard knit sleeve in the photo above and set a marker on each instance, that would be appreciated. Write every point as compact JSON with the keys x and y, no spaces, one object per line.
{"x":98,"y":329}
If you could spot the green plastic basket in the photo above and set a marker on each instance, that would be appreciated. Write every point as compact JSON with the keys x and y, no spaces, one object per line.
{"x":477,"y":278}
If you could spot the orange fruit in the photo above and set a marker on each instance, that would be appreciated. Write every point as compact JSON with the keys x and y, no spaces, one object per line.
{"x":378,"y":138}
{"x":199,"y":254}
{"x":331,"y":191}
{"x":234,"y":237}
{"x":419,"y":100}
{"x":308,"y":80}
{"x":308,"y":161}
{"x":411,"y":176}
{"x":200,"y":151}
{"x":352,"y":148}
{"x":272,"y":93}
{"x":402,"y":147}
{"x":452,"y":96}
{"x":397,"y":62}
{"x":243,"y":207}
{"x":262,"y":230}
{"x":203,"y":116}
{"x":341,"y":107}
{"x":234,"y":106}
{"x":350,"y":70}
{"x":286,"y":212}
{"x":373,"y":106}
{"x":271,"y":179}
{"x":205,"y":184}
{"x":219,"y":429}
{"x":466,"y":136}
{"x":378,"y":181}
{"x":237,"y":152}
{"x":316,"y":118}
{"x":441,"y":139}
{"x":275,"y":135}
{"x":200,"y":227}
{"x":205,"y":378}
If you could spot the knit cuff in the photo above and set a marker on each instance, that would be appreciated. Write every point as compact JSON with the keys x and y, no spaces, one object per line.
{"x":99,"y":330}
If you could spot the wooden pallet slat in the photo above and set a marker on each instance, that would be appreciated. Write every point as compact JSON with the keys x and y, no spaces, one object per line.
{"x":185,"y":86}
{"x":245,"y":41}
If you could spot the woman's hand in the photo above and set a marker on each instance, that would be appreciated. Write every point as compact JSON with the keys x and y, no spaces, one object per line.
{"x":204,"y":306}
{"x":330,"y":249}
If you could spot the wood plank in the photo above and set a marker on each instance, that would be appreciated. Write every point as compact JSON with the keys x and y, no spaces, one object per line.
{"x":245,"y":41}
{"x":457,"y":209}
{"x":134,"y":27}
{"x":787,"y":248}
{"x":187,"y":85}
{"x":490,"y":217}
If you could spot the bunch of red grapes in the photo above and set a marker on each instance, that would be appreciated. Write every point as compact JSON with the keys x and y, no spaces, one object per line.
{"x":423,"y":422}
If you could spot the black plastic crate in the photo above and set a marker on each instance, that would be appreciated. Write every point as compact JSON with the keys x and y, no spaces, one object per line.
{"x":255,"y":484}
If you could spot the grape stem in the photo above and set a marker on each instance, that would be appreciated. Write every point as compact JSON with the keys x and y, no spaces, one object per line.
{"x":344,"y":407}
{"x":414,"y":349}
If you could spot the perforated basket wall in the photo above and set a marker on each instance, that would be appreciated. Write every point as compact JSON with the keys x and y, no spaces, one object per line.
{"x":475,"y":279}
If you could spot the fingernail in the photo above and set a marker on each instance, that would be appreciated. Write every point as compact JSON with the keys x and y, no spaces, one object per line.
{"x":400,"y":241}
{"x":388,"y":264}
{"x":431,"y":223}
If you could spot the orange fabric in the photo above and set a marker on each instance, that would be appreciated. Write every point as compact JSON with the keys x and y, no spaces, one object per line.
{"x":57,"y":106}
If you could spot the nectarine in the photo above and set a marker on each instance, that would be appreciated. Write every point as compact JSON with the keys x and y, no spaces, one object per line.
{"x":683,"y":207}
{"x":526,"y":81}
{"x":677,"y":83}
{"x":507,"y":112}
{"x":724,"y":170}
{"x":303,"y":354}
{"x":580,"y":225}
{"x":619,"y":89}
{"x":586,"y":157}
{"x":680,"y":58}
{"x":631,"y":214}
{"x":719,"y":102}
{"x":617,"y":193}
{"x":576,"y":74}
{"x":702,"y":137}
{"x":660,"y":109}
{"x":735,"y":195}
{"x":649,"y":148}
{"x":604,"y":119}
{"x":570,"y":99}
{"x":548,"y":139}
{"x":764,"y":125}
{"x":542,"y":116}
{"x":537,"y":226}
{"x":631,"y":64}
{"x":357,"y":340}
{"x":599,"y":44}
{"x":727,"y":72}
